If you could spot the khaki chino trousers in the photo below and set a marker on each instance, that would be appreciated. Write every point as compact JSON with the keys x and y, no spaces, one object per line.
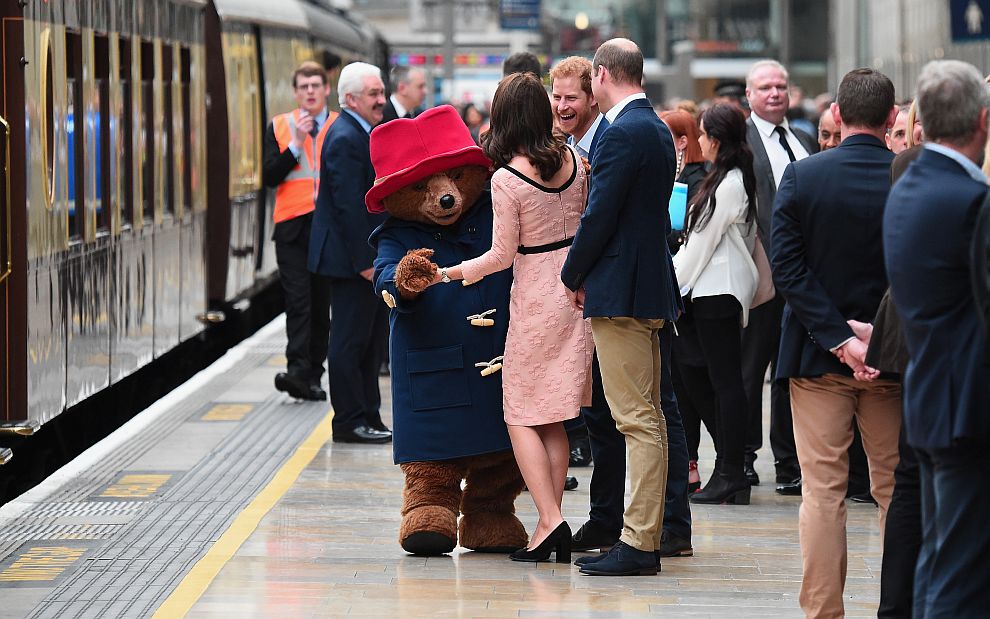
{"x":629,"y":356}
{"x":824,"y":410}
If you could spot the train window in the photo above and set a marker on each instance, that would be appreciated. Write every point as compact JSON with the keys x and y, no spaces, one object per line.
{"x":48,"y":120}
{"x":74,"y":119}
{"x":185,"y":77}
{"x":102,"y":58}
{"x":168,"y":125}
{"x":147,"y":130}
{"x":244,"y":112}
{"x":127,"y":134}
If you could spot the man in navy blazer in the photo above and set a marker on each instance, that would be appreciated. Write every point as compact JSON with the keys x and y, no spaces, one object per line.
{"x":928,"y":229}
{"x":827,"y":261}
{"x":339,"y":251}
{"x":577,"y":114}
{"x":619,"y":270}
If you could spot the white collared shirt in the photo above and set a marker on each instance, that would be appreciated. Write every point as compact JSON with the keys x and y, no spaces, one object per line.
{"x":775,"y":152}
{"x":613,"y":113}
{"x":971,"y":168}
{"x":583,"y":146}
{"x":400,"y":109}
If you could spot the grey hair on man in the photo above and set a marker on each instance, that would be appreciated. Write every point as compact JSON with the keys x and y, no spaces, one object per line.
{"x":951,"y":97}
{"x":352,"y":79}
{"x":398,"y":75}
{"x":760,"y":64}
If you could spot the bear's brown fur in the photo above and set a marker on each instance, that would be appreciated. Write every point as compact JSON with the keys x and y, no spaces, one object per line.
{"x":432,"y":496}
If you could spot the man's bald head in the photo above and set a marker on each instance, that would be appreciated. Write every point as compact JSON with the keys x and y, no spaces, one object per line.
{"x":623,"y":60}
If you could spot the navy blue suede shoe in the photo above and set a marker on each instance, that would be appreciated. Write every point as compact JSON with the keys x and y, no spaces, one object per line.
{"x":623,"y":560}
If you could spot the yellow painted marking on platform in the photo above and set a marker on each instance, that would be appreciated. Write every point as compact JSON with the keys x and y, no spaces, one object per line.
{"x":41,"y":563}
{"x":228,"y":412}
{"x":278,"y":361}
{"x":136,"y":486}
{"x":195,"y":583}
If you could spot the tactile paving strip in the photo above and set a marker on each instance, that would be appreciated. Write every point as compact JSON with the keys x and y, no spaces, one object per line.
{"x":133,"y":572}
{"x":59,"y":531}
{"x":86,"y":508}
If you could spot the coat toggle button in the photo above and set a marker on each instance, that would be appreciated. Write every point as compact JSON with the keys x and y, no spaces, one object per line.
{"x":482,"y":320}
{"x":490,"y":367}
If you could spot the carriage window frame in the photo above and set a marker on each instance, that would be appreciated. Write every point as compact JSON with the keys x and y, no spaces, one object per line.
{"x":168,"y":131}
{"x":76,"y":219}
{"x":185,"y":85}
{"x":146,"y":93}
{"x":101,"y":58}
{"x":127,"y":206}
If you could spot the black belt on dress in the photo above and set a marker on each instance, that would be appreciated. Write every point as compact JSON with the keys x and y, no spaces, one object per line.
{"x":542,"y":249}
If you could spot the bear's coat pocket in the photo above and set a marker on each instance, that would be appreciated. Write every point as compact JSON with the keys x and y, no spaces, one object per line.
{"x":437,"y":379}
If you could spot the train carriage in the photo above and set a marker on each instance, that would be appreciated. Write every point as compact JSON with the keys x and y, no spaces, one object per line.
{"x":133,"y":211}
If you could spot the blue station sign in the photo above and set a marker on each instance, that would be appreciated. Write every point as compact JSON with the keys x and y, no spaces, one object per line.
{"x":970,"y":20}
{"x":519,"y":14}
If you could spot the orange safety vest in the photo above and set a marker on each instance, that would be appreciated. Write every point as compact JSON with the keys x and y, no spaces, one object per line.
{"x":296,"y":194}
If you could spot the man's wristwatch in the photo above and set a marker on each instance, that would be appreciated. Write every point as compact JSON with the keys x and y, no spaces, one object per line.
{"x":444,"y":277}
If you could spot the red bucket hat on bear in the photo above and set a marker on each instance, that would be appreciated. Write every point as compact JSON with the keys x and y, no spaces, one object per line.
{"x":407,"y":150}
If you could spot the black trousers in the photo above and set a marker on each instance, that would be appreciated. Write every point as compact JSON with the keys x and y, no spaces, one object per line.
{"x":696,"y":401}
{"x":902,"y":537}
{"x":760,"y":344}
{"x":608,"y":449}
{"x":306,"y":349}
{"x":357,"y":326}
{"x":717,"y":320}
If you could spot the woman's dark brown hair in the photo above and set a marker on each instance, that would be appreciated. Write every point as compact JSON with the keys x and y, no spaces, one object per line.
{"x":522,"y":123}
{"x":727,"y":124}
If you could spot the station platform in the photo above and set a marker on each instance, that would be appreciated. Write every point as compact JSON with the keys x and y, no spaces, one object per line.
{"x":229,"y":499}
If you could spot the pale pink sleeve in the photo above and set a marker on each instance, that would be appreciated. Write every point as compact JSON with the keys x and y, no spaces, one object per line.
{"x":505,"y":236}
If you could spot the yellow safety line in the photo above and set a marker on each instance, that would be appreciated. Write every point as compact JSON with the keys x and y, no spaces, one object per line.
{"x":206,"y":569}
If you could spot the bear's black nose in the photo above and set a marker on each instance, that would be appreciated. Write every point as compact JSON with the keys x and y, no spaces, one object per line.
{"x":447,"y":202}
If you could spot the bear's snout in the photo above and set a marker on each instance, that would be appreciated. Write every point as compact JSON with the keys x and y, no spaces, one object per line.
{"x":448,"y":202}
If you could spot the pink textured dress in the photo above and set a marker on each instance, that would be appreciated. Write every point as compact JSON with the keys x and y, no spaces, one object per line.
{"x":548,"y":350}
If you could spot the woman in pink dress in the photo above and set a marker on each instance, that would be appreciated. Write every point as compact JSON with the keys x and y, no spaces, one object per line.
{"x":538,"y":195}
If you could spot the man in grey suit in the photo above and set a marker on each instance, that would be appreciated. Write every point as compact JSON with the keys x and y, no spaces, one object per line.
{"x":774,"y":145}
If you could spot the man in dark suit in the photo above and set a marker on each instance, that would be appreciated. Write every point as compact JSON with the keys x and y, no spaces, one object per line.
{"x":827,"y":260}
{"x":928,"y":229}
{"x":339,"y":251}
{"x":408,"y":86}
{"x":576,"y":113}
{"x":774,"y":144}
{"x":620,"y":271}
{"x":293,"y":143}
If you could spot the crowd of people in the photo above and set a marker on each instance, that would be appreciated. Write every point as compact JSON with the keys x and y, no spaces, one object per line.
{"x":838,"y":258}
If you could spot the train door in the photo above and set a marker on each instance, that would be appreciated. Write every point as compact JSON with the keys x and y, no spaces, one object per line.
{"x":13,"y":247}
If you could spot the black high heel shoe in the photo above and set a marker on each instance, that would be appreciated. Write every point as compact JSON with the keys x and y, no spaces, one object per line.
{"x":558,"y":542}
{"x":724,"y":489}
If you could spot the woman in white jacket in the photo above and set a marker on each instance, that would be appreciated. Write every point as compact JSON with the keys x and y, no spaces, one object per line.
{"x":718,"y":278}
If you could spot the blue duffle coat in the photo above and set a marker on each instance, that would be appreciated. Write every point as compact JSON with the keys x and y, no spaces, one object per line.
{"x":442,"y":407}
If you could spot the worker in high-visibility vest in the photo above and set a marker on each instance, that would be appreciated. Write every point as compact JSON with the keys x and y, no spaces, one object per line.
{"x":293,"y":143}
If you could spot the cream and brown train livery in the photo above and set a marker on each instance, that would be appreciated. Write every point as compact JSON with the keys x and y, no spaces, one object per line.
{"x":132,"y":204}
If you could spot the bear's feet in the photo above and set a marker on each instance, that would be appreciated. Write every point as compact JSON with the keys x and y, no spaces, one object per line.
{"x":492,"y":532}
{"x":428,"y":531}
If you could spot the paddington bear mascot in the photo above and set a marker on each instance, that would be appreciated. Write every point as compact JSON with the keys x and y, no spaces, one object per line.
{"x":446,"y":340}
